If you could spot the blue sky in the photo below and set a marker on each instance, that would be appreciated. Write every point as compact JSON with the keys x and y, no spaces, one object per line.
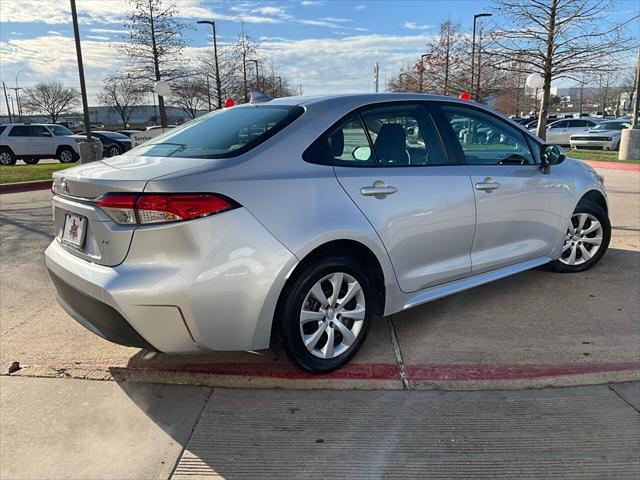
{"x":327,"y":46}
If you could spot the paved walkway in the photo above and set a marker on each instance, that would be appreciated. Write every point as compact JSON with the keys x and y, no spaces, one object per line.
{"x":79,"y":429}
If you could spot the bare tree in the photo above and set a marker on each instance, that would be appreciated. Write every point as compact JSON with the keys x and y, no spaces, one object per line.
{"x":122,"y":95}
{"x":154,"y":45}
{"x":558,"y":39}
{"x":51,"y":99}
{"x":190,"y":94}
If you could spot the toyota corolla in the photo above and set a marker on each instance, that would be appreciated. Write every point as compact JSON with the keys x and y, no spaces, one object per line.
{"x":290,"y":223}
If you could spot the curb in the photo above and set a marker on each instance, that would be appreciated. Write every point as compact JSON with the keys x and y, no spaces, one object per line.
{"x":25,"y":186}
{"x":629,"y":167}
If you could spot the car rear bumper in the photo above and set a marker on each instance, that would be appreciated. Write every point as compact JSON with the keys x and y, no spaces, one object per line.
{"x":206,"y":284}
{"x":96,"y":316}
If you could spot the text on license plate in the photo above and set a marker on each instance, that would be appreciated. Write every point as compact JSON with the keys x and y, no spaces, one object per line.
{"x":74,"y":230}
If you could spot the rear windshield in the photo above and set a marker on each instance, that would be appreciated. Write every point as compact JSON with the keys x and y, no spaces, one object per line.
{"x":223,"y":133}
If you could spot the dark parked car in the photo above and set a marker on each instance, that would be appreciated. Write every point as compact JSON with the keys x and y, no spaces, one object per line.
{"x":113,"y":143}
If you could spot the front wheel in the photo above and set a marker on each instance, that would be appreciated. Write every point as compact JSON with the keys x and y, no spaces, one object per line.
{"x":324,"y":314}
{"x":113,"y":151}
{"x":587,"y":239}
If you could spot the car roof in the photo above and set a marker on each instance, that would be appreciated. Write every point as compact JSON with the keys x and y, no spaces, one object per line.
{"x":21,"y":124}
{"x":359,"y":99}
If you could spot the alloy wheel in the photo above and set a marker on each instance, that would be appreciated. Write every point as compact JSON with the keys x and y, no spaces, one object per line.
{"x":583,"y":239}
{"x":66,"y":156}
{"x":114,"y":151}
{"x":5,"y":158}
{"x":332,"y":315}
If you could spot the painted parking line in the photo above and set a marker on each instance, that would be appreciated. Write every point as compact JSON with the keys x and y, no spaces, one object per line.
{"x":383,"y":371}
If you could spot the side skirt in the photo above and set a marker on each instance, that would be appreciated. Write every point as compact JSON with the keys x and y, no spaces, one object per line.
{"x":439,"y":291}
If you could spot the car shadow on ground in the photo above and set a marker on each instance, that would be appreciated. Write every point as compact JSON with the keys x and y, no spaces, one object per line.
{"x":537,"y":306}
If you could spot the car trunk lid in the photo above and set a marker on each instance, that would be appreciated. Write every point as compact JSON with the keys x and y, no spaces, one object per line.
{"x":76,"y":189}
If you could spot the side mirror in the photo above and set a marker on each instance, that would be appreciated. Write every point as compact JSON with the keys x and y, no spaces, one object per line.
{"x":551,"y":155}
{"x":45,"y":134}
{"x":361,"y":153}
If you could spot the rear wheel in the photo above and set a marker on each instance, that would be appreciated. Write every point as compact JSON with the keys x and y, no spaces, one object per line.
{"x":31,"y":161}
{"x":586,"y":240}
{"x":7,"y":157}
{"x":324,"y":314}
{"x":67,"y":155}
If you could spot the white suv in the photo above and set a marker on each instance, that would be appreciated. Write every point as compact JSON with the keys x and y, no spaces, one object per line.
{"x":32,"y":142}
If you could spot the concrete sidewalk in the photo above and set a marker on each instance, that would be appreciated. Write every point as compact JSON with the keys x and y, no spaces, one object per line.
{"x":79,"y":429}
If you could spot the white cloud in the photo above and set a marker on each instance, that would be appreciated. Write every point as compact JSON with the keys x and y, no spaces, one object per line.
{"x":98,"y":37}
{"x":416,"y":26}
{"x":359,"y":7}
{"x":329,"y":65}
{"x":106,"y":30}
{"x":335,"y":19}
{"x":309,"y":3}
{"x":53,"y":32}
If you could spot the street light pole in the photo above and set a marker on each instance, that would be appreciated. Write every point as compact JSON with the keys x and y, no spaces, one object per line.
{"x":279,"y":85}
{"x":215,"y":59}
{"x":422,"y":57}
{"x":406,"y":83}
{"x":257,"y":73}
{"x":473,"y":47}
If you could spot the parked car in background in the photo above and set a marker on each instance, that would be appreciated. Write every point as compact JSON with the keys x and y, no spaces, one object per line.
{"x":113,"y":143}
{"x":128,"y":133}
{"x":151,"y":132}
{"x":31,"y":142}
{"x":604,"y":136}
{"x":290,"y":223}
{"x":560,"y":131}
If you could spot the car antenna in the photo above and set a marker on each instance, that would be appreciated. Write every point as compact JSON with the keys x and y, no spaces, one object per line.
{"x":259,"y":97}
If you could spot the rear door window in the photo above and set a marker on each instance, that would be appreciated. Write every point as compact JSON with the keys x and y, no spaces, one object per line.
{"x":223,"y":133}
{"x":403,"y":136}
{"x":39,"y":131}
{"x":19,"y":131}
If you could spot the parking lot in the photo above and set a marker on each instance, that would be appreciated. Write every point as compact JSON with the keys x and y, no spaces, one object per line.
{"x":453,"y":388}
{"x":534,"y":329}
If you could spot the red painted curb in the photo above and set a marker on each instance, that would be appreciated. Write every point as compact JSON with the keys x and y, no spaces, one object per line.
{"x":384,"y":371}
{"x":25,"y":186}
{"x":629,"y":167}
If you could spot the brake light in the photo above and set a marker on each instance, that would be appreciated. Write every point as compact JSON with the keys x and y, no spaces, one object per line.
{"x":154,"y":208}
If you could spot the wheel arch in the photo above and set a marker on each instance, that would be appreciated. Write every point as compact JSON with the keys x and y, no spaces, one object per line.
{"x":354,"y":248}
{"x":595,"y":196}
{"x":7,"y":147}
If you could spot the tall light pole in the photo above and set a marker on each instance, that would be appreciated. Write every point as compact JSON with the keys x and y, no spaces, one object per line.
{"x":6,"y":101}
{"x":406,"y":84}
{"x":257,"y":73}
{"x":422,"y":57}
{"x":279,"y":85}
{"x":88,"y":151}
{"x":215,"y":59}
{"x":473,"y":46}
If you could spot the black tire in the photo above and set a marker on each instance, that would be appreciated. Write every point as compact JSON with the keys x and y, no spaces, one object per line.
{"x":113,"y":151}
{"x":586,"y":206}
{"x":286,"y":339}
{"x":67,"y":155}
{"x":31,"y":161}
{"x":7,"y":157}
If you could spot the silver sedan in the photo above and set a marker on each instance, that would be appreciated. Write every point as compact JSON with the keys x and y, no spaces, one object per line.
{"x":290,"y":223}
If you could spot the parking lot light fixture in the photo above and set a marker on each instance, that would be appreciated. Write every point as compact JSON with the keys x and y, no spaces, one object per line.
{"x":473,"y":46}
{"x":215,"y":60}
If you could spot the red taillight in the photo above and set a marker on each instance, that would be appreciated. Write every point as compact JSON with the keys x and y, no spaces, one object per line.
{"x":150,"y":208}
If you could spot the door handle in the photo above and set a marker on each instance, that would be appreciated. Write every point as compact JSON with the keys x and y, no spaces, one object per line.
{"x":379,"y":189}
{"x":488,"y":184}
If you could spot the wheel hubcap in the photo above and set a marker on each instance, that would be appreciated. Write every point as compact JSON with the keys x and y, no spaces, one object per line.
{"x":114,"y":151}
{"x":66,"y":156}
{"x":5,"y":158}
{"x":583,"y":239}
{"x":332,"y":315}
